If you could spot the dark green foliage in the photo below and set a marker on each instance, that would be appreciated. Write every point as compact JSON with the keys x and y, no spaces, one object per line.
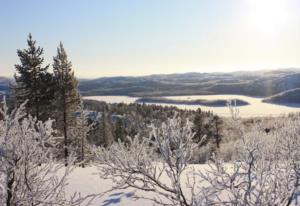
{"x":104,"y":132}
{"x":207,"y":128}
{"x":120,"y":129}
{"x":202,"y":127}
{"x":33,"y":82}
{"x":134,"y":118}
{"x":217,"y":137}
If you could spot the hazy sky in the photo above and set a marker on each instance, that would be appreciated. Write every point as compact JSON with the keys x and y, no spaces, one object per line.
{"x":137,"y":37}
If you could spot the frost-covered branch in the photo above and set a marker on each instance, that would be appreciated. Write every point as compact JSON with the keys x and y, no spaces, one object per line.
{"x":29,"y":175}
{"x":266,"y":171}
{"x":156,"y":164}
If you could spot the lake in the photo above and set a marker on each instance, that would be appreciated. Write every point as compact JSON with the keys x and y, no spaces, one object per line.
{"x":255,"y":108}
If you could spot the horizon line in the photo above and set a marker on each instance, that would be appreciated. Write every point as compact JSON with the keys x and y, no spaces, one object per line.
{"x":173,"y":73}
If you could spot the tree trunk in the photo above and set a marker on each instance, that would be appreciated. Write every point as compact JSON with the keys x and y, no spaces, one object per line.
{"x":82,"y":151}
{"x":10,"y":183}
{"x":36,"y":103}
{"x":65,"y":137}
{"x":65,"y":127}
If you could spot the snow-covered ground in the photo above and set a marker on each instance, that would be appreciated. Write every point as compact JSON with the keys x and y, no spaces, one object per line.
{"x":87,"y":181}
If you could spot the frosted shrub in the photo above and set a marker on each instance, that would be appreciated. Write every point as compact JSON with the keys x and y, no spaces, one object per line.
{"x":155,"y":164}
{"x":28,"y":173}
{"x":266,"y":170}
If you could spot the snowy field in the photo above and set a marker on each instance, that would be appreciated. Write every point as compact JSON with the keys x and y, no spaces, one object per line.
{"x":86,"y":181}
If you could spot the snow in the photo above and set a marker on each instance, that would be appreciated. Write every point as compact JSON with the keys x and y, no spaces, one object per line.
{"x":87,"y":181}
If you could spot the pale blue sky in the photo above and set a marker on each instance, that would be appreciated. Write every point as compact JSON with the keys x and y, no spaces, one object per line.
{"x":138,"y":37}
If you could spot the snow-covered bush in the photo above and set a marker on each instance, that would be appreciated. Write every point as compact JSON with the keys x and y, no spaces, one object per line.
{"x":28,"y":173}
{"x":153,"y":166}
{"x":266,"y":170}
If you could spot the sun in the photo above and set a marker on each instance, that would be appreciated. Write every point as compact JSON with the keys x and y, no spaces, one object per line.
{"x":267,"y":16}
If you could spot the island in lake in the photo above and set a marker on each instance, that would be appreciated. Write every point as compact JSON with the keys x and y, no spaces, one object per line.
{"x":202,"y":102}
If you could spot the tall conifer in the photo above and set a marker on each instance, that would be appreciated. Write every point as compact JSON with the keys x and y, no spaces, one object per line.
{"x":67,"y":97}
{"x":33,"y":81}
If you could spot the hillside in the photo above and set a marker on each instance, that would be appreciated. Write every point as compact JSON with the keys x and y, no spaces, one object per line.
{"x":4,"y":84}
{"x":288,"y":97}
{"x":259,"y":83}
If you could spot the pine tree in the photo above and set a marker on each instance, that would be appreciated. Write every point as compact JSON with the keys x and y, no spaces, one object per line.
{"x":80,"y":135}
{"x":119,"y":129}
{"x":106,"y":134}
{"x":199,"y":126}
{"x":203,"y":127}
{"x":67,"y":97}
{"x":217,"y":134}
{"x":33,"y":82}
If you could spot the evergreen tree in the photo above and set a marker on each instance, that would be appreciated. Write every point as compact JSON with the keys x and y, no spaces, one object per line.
{"x":217,"y":132}
{"x":67,"y":97}
{"x":199,"y":128}
{"x":106,"y":130}
{"x":120,"y":129}
{"x":80,"y":135}
{"x":33,"y":82}
{"x":203,"y":127}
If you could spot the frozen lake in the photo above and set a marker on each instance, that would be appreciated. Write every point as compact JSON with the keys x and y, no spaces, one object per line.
{"x":255,"y":108}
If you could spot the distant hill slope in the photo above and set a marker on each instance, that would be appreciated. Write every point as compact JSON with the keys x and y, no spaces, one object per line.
{"x":258,"y":83}
{"x":4,"y":84}
{"x":288,"y":97}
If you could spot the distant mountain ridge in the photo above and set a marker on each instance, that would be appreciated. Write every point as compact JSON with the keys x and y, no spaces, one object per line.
{"x":262,"y":83}
{"x":259,"y":83}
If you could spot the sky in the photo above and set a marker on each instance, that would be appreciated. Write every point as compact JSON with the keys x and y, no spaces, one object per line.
{"x":140,"y":37}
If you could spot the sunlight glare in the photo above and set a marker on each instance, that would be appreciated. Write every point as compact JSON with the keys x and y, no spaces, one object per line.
{"x":267,"y":16}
